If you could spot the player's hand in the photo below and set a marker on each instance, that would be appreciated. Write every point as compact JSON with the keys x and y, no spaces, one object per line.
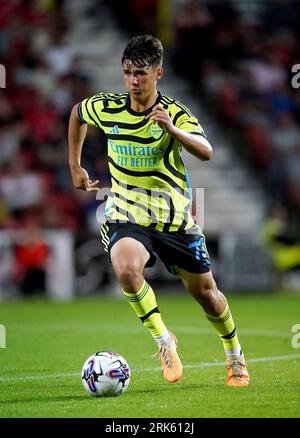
{"x":82,"y":181}
{"x":160,"y":116}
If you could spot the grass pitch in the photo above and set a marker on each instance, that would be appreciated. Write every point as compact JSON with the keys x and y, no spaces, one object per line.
{"x":48,"y":342}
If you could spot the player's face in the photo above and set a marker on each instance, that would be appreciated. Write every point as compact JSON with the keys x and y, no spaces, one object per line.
{"x":141,"y":81}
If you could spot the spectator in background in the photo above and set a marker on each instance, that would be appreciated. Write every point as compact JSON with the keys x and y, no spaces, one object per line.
{"x":244,"y":73}
{"x":4,"y":213}
{"x":285,"y":138}
{"x":281,"y":99}
{"x":282,"y":15}
{"x":45,"y":78}
{"x":281,"y":242}
{"x":59,"y":55}
{"x":293,"y":166}
{"x":193,"y":29}
{"x":10,"y":142}
{"x":265,"y":74}
{"x":21,"y":188}
{"x":41,"y":121}
{"x":286,"y":134}
{"x":144,"y":12}
{"x":31,"y":257}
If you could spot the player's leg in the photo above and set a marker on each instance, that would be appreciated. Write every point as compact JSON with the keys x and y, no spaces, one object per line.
{"x":129,"y":257}
{"x":204,"y":289}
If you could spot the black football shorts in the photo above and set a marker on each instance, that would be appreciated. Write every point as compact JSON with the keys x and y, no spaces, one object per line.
{"x":175,"y":249}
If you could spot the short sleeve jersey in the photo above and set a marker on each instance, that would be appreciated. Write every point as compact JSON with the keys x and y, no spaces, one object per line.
{"x":149,"y":180}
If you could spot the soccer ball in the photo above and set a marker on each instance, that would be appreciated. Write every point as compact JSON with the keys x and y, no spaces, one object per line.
{"x":105,"y":374}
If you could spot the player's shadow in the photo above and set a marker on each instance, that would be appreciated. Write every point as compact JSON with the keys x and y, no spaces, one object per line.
{"x":166,"y":387}
{"x":154,"y":390}
{"x":44,"y":399}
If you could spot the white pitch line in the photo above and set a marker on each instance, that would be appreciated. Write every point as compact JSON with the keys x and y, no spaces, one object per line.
{"x":190,"y":330}
{"x":187,"y":366}
{"x":242,"y":331}
{"x":254,"y":360}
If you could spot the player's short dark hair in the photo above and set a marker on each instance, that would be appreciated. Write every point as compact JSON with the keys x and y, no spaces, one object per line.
{"x":144,"y":50}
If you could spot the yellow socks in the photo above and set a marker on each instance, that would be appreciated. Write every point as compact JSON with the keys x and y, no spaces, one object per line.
{"x":144,"y":304}
{"x":226,"y":329}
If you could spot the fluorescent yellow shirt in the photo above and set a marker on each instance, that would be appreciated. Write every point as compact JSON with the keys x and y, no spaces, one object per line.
{"x":149,"y":181}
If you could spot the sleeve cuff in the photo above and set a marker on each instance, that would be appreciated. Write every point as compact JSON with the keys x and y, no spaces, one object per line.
{"x":79,"y":112}
{"x":198,"y":133}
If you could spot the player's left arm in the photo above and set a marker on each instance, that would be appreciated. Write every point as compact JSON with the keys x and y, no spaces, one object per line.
{"x":196,"y":145}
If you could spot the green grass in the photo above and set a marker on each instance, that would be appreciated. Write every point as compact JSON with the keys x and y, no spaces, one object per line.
{"x":48,"y":342}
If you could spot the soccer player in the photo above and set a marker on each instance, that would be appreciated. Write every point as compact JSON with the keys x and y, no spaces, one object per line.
{"x":148,"y":210}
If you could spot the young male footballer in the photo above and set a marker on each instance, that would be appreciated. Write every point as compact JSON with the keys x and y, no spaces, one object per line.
{"x":148,"y":210}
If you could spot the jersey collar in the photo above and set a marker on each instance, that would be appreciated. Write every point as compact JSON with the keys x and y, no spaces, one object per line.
{"x":143,"y":113}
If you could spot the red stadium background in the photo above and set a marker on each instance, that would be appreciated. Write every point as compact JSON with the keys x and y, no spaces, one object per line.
{"x":232,"y":63}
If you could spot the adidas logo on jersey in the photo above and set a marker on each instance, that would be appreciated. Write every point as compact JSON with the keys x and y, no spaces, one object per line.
{"x":115,"y":130}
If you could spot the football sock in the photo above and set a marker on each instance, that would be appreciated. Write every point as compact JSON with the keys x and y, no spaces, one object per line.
{"x":226,"y":329}
{"x":144,"y":304}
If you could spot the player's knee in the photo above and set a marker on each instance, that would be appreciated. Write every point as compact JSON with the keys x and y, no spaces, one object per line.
{"x":128,"y":272}
{"x":207,"y":291}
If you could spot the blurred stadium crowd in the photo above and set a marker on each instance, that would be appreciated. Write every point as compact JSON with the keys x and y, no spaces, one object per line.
{"x":242,"y":69}
{"x":44,"y":79}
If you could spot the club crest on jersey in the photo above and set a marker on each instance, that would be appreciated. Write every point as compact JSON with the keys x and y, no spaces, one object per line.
{"x":156,"y":131}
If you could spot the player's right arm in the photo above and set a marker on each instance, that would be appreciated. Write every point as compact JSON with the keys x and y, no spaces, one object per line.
{"x":76,"y":136}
